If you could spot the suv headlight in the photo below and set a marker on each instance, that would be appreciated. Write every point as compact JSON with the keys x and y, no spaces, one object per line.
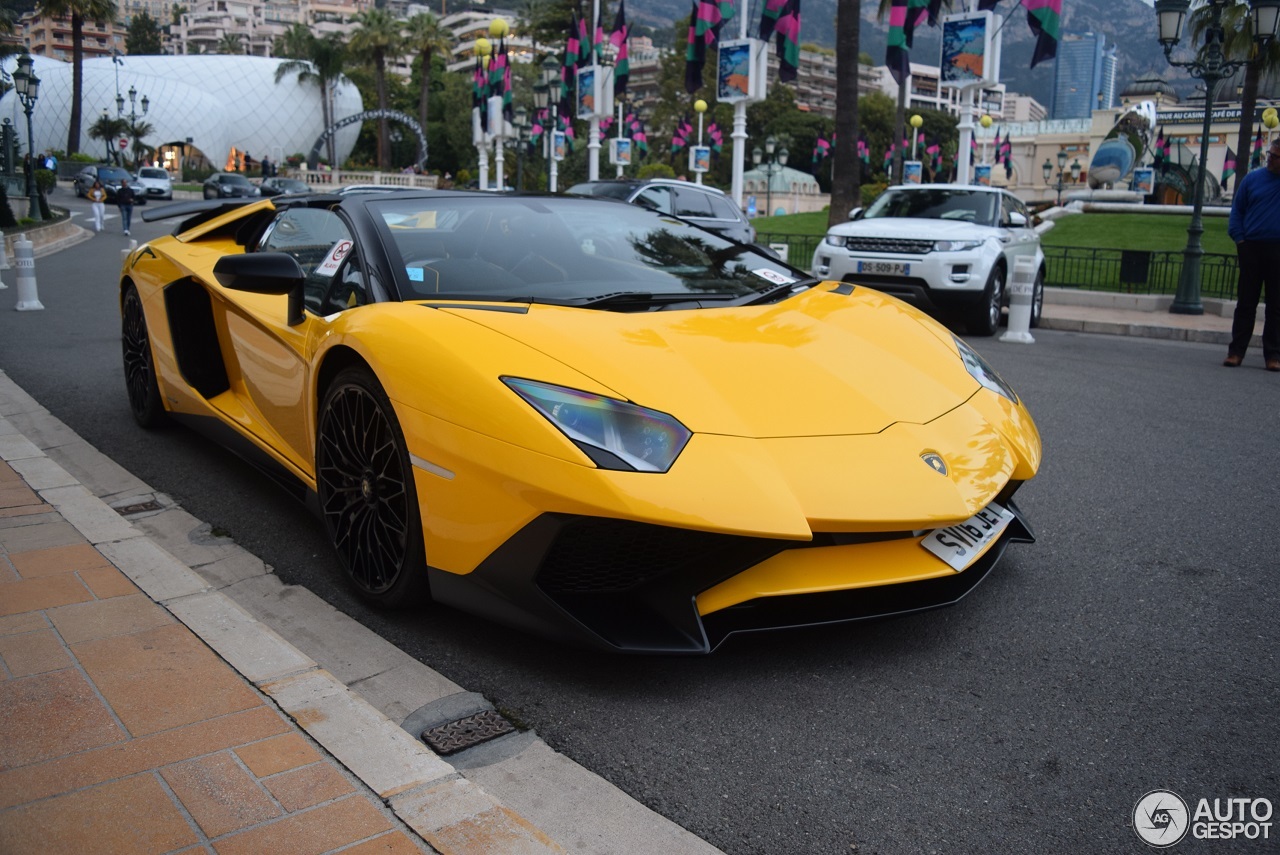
{"x":836,"y":240}
{"x":956,"y":245}
{"x":982,"y":372}
{"x":615,"y":434}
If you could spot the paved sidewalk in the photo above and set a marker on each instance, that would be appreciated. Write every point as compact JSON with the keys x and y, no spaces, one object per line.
{"x":122,"y":731}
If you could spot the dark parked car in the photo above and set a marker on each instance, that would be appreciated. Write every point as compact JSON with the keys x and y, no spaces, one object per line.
{"x":224,"y":185}
{"x":110,"y":176}
{"x":283,"y":187}
{"x":701,"y":205}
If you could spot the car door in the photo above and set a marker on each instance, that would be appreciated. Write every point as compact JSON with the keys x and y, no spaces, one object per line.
{"x":272,"y":359}
{"x":1016,"y":232}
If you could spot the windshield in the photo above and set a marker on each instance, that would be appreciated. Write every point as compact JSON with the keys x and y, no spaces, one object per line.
{"x":568,"y":250}
{"x":153,"y":173}
{"x":112,"y":173}
{"x":233,"y":179}
{"x":971,"y":206}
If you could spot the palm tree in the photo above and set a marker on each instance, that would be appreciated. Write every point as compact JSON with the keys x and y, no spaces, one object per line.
{"x":1238,"y":44}
{"x":846,"y":191}
{"x":231,"y":44}
{"x":137,"y":132}
{"x":377,"y":41}
{"x":319,"y":61}
{"x":107,"y":128}
{"x":425,"y":37}
{"x":101,"y":12}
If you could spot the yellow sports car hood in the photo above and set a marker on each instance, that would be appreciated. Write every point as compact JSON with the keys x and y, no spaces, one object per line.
{"x":822,"y":363}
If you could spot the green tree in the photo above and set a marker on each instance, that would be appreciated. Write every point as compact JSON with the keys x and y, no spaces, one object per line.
{"x":108,"y":129}
{"x":101,"y":12}
{"x":144,"y":38}
{"x":846,"y":173}
{"x":137,"y":132}
{"x":1238,"y":44}
{"x":319,"y":61}
{"x":230,"y":44}
{"x":425,"y":37}
{"x":376,"y":42}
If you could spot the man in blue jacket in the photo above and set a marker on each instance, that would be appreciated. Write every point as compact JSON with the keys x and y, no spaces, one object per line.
{"x":1255,"y":227}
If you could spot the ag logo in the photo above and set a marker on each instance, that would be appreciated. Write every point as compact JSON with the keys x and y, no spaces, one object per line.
{"x":935,"y":462}
{"x":1160,"y":818}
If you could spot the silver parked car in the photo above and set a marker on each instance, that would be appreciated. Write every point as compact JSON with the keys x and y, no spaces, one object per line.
{"x":154,"y":183}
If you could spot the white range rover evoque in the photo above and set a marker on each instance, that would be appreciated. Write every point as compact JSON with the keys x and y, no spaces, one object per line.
{"x":947,"y":246}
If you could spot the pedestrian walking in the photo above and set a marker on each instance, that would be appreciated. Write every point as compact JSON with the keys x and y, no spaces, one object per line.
{"x":1255,"y":227}
{"x":97,"y":203}
{"x":125,"y":198}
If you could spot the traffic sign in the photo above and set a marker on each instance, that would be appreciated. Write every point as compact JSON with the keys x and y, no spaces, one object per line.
{"x":124,"y":144}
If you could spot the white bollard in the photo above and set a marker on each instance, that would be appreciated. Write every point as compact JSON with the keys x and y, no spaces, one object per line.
{"x":24,"y":259}
{"x":4,"y":264}
{"x":1022,"y":286}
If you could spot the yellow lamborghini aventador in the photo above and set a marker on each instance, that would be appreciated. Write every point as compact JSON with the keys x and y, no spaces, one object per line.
{"x":580,"y":417}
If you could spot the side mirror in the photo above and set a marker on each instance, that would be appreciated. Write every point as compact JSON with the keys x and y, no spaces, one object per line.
{"x":855,"y":214}
{"x":1016,"y":220}
{"x":264,"y":273}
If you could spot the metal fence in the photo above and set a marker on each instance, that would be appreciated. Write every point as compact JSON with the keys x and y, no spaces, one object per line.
{"x":799,"y":247}
{"x":1121,"y":270}
{"x":1136,"y":271}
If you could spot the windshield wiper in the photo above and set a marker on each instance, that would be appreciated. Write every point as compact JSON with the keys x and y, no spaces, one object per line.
{"x":777,"y":292}
{"x":629,"y":298}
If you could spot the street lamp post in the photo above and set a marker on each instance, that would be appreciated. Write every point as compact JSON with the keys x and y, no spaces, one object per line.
{"x":522,"y":125}
{"x":550,"y":76}
{"x":1062,"y":169}
{"x":777,"y":159}
{"x":1211,"y":66}
{"x":28,"y":87}
{"x":134,"y":115}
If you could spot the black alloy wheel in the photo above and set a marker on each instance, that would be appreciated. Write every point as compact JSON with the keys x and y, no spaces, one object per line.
{"x":139,"y":370}
{"x":365,"y":483}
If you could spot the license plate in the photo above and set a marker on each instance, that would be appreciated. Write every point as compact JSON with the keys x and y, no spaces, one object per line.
{"x":887,"y":268}
{"x":959,"y":545}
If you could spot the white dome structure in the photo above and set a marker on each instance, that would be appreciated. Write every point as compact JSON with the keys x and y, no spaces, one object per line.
{"x":218,"y":102}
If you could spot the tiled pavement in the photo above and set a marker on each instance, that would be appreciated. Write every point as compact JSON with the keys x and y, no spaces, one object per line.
{"x":121,"y":731}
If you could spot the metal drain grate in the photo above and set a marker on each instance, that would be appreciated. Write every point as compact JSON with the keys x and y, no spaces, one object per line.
{"x":141,"y":507}
{"x":465,"y":732}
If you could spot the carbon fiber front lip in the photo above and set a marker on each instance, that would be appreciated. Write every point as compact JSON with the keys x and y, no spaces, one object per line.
{"x":659,"y":615}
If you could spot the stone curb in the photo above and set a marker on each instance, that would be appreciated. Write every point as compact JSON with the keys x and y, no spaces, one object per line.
{"x":345,"y":692}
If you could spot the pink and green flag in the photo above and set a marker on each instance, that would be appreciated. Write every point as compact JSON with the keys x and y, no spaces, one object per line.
{"x":1228,"y":166}
{"x":618,"y":38}
{"x":1045,"y":18}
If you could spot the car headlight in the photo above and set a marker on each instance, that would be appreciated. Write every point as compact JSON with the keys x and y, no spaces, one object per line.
{"x":982,"y":372}
{"x":614,"y":434}
{"x":836,"y":240}
{"x":956,"y":245}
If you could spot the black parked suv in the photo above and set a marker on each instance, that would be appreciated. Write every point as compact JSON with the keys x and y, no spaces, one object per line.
{"x":703,"y":206}
{"x":110,"y":176}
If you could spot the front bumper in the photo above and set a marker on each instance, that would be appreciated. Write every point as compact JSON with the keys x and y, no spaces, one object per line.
{"x":640,"y":588}
{"x":938,"y":279}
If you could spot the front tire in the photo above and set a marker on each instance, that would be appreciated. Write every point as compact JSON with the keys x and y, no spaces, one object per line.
{"x":139,"y":369}
{"x":365,"y":484}
{"x":984,"y":316}
{"x":207,"y":194}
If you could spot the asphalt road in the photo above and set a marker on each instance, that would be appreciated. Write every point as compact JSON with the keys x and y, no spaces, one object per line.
{"x":1132,"y":648}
